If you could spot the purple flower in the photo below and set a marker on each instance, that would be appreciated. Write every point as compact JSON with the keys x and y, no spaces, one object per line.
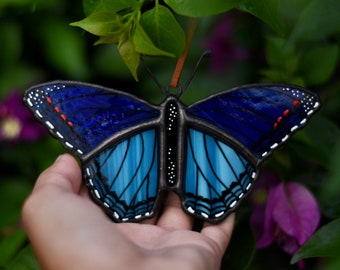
{"x":290,"y":216}
{"x":224,"y":51}
{"x":17,"y":122}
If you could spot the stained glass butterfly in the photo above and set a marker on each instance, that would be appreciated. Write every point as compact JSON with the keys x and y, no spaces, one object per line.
{"x":209,"y":153}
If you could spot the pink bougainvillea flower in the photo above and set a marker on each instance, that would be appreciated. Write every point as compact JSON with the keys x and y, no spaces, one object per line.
{"x":224,"y":50}
{"x":259,"y":196}
{"x":291,"y":215}
{"x":17,"y":122}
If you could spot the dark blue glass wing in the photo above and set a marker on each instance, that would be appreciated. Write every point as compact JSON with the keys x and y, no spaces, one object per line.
{"x":260,"y":117}
{"x":82,"y":116}
{"x":216,"y":177}
{"x":124,"y":177}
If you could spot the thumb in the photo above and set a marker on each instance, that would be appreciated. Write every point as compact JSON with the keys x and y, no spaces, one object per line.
{"x":64,"y":174}
{"x":50,"y":193}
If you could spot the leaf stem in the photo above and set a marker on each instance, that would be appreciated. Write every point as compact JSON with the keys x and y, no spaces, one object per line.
{"x":180,"y":63}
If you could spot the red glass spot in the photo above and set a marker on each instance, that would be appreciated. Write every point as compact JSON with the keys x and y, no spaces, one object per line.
{"x":296,"y":102}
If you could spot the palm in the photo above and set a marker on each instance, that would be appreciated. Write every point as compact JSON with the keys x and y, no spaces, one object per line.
{"x":68,"y":230}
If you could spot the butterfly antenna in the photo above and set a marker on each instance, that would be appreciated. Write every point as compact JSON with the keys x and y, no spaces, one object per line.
{"x":153,"y":77}
{"x":204,"y":55}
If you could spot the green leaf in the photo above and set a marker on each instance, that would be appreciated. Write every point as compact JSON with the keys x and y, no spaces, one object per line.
{"x":289,"y":12}
{"x":109,"y":40}
{"x":11,"y":43}
{"x":265,"y":10}
{"x":64,"y":48}
{"x":102,"y":23}
{"x":89,"y":6}
{"x":117,"y":5}
{"x":12,"y":194}
{"x":108,"y":63}
{"x":130,"y":56}
{"x":280,"y":55}
{"x":14,"y":3}
{"x":114,"y":6}
{"x":25,"y":260}
{"x":323,"y":135}
{"x":144,"y":45}
{"x":19,"y":76}
{"x":332,"y":264}
{"x":163,"y":29}
{"x":201,"y":8}
{"x":319,"y":63}
{"x":328,"y":196}
{"x":319,"y":19}
{"x":283,"y":62}
{"x":324,"y":243}
{"x":10,"y":245}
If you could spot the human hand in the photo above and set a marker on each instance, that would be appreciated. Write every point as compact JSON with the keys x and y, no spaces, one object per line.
{"x":68,"y":231}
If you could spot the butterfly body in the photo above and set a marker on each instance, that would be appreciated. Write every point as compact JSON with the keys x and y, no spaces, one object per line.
{"x":209,"y":153}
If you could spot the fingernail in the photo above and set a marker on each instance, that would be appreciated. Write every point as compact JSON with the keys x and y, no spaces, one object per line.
{"x":59,"y":158}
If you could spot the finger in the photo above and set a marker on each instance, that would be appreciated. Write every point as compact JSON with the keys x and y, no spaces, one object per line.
{"x":150,"y":221}
{"x":220,"y":233}
{"x":64,"y":174}
{"x":173,"y":217}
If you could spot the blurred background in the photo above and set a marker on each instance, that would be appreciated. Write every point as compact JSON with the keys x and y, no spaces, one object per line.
{"x":37,"y":44}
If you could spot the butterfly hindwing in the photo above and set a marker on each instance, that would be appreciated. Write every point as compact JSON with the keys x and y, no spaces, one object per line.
{"x":217,"y":179}
{"x":82,"y":116}
{"x":124,"y":177}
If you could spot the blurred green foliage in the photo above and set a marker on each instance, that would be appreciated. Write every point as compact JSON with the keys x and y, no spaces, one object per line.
{"x":287,"y":41}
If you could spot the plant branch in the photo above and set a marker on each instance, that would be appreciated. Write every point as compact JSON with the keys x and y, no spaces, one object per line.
{"x":181,"y":60}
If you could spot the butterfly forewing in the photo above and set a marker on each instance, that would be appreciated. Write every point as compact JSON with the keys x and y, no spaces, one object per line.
{"x":83,"y":116}
{"x":260,"y":117}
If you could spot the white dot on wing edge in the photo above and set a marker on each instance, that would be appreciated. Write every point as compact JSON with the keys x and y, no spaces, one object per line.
{"x":233,"y":204}
{"x":96,"y":193}
{"x":29,"y":102}
{"x":204,"y":215}
{"x":49,"y":124}
{"x":69,"y":145}
{"x":115,"y":214}
{"x":190,"y":210}
{"x":38,"y":114}
{"x":219,"y":214}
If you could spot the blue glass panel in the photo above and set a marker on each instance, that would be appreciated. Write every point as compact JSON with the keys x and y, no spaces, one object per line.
{"x":257,"y":116}
{"x":125,"y":176}
{"x":95,"y":113}
{"x":216,"y":176}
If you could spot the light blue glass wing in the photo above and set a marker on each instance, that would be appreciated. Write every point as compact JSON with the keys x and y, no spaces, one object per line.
{"x":124,"y":177}
{"x":216,"y":177}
